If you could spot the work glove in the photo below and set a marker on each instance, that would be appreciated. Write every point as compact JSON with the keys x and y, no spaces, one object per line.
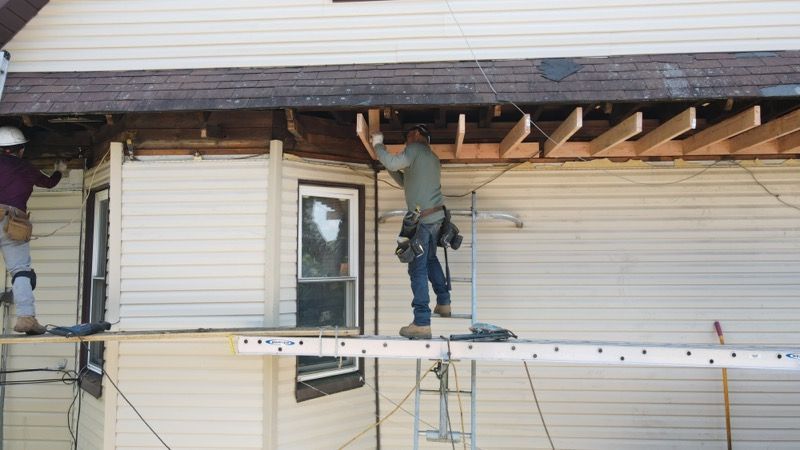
{"x":61,"y":166}
{"x":376,"y":138}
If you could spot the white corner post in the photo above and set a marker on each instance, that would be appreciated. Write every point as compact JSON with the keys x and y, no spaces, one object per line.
{"x":111,"y":366}
{"x":272,"y":290}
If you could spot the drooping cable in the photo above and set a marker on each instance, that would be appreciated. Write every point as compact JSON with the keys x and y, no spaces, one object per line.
{"x":538,"y":407}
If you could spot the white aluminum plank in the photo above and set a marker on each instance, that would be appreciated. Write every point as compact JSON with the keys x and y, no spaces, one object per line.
{"x":544,"y":351}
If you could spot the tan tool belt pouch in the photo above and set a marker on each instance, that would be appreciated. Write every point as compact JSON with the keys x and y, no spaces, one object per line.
{"x":18,"y":226}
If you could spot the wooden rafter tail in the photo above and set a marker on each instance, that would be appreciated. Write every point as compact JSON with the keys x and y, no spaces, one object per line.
{"x":566,"y":130}
{"x":515,"y":137}
{"x":699,"y":143}
{"x":789,"y":144}
{"x":363,"y":133}
{"x":649,"y":144}
{"x":619,"y":133}
{"x":774,"y":129}
{"x":460,"y":132}
{"x":293,"y":125}
{"x":374,"y":120}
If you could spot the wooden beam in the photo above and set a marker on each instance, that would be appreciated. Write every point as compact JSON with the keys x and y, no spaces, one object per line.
{"x":293,"y":125}
{"x":475,"y":152}
{"x":696,"y":145}
{"x":515,"y":137}
{"x":570,"y":126}
{"x":362,"y":131}
{"x":460,"y":132}
{"x":790,"y":143}
{"x":672,"y":128}
{"x":374,"y":121}
{"x":27,"y":120}
{"x":621,"y":132}
{"x":774,"y":129}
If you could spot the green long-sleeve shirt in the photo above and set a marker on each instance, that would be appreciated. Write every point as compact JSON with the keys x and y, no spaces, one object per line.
{"x":419,"y":172}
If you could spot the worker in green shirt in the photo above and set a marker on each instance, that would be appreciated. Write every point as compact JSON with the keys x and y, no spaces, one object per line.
{"x":418,"y":171}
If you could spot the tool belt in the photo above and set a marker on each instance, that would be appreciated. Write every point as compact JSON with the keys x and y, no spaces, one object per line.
{"x":18,"y":226}
{"x":408,"y":245}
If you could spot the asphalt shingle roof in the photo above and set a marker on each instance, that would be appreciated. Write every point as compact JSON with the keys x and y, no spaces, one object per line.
{"x":618,"y":78}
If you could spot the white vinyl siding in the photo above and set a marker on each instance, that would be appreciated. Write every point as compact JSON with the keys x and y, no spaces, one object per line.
{"x":601,"y":258}
{"x":193,"y":236}
{"x":156,"y":34}
{"x":323,"y":423}
{"x":35,"y":416}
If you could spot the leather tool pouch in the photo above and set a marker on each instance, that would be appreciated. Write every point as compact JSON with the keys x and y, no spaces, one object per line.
{"x":18,"y":226}
{"x":449,"y":234}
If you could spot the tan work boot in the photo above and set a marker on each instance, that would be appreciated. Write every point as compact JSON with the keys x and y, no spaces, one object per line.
{"x":413,"y":331}
{"x":29,"y":325}
{"x":442,"y":310}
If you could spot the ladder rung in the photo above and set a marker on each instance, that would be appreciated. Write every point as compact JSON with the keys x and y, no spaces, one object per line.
{"x":455,"y":316}
{"x":436,"y":391}
{"x":461,"y":279}
{"x":433,"y":436}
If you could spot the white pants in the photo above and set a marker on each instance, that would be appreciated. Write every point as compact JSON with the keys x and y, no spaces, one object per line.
{"x":17,"y":255}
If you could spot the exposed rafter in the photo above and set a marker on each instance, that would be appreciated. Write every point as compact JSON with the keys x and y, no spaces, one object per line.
{"x":672,"y":128}
{"x":515,"y":137}
{"x":621,"y":132}
{"x":569,"y":127}
{"x":362,"y":130}
{"x":460,"y":132}
{"x":699,"y":143}
{"x":774,"y":129}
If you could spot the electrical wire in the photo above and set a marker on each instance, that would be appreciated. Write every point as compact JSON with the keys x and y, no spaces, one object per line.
{"x":498,"y":99}
{"x":766,"y":189}
{"x":460,"y":408}
{"x":538,"y":407}
{"x":416,"y":386}
{"x":119,"y":391}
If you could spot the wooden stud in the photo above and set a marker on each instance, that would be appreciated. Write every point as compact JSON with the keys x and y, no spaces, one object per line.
{"x":570,"y":126}
{"x":774,"y":129}
{"x":363,"y":133}
{"x":676,"y":126}
{"x":696,"y":145}
{"x":515,"y":137}
{"x":460,"y":132}
{"x":498,"y":110}
{"x":621,"y":132}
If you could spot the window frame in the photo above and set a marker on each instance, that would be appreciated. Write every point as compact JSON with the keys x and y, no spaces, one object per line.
{"x":308,"y":386}
{"x":91,"y":373}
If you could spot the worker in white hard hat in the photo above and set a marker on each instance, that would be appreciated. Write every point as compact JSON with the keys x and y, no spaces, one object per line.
{"x":17,"y":179}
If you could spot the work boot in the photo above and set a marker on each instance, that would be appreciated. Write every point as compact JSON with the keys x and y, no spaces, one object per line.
{"x":29,"y":325}
{"x":413,"y":331}
{"x":442,"y":310}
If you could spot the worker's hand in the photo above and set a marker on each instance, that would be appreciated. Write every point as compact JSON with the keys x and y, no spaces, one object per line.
{"x":376,"y":138}
{"x":61,"y":166}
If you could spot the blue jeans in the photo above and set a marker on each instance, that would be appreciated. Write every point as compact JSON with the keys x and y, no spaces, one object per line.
{"x":424,"y":268}
{"x":17,"y":255}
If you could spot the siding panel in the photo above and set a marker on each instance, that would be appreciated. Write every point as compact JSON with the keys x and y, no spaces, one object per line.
{"x":35,"y":417}
{"x":602,"y":258}
{"x":151,"y":34}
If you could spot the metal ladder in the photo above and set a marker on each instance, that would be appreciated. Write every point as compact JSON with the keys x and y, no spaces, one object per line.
{"x":445,"y":433}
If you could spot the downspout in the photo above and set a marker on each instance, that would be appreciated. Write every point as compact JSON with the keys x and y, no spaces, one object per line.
{"x":375,"y":319}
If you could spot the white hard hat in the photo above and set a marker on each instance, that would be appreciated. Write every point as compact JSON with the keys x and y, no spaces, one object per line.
{"x":11,"y":136}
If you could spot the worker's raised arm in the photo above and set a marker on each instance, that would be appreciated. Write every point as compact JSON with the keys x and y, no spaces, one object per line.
{"x":45,"y":181}
{"x":393,"y":163}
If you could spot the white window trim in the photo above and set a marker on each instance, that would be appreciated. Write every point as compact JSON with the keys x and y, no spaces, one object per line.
{"x":98,"y":198}
{"x":352,"y":195}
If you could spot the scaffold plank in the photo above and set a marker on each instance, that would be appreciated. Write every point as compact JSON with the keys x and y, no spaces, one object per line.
{"x":174,"y":335}
{"x":544,"y":351}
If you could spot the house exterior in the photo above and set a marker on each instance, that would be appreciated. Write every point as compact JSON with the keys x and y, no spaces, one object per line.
{"x":219,"y":182}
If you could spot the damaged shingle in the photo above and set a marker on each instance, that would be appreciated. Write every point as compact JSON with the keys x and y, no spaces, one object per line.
{"x":558,"y":68}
